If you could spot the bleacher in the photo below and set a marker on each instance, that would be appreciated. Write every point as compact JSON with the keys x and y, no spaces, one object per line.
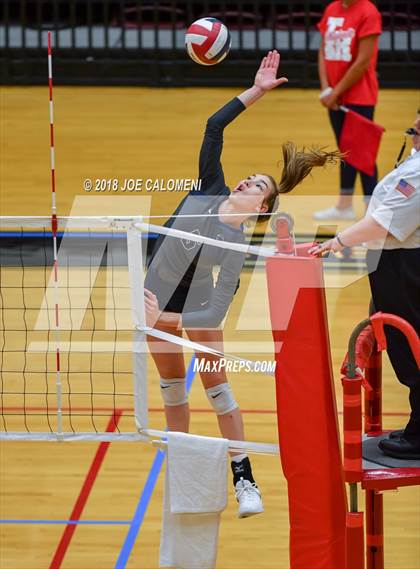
{"x":141,"y":42}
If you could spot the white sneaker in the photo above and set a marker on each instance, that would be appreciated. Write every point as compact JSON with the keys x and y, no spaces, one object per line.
{"x":249,"y":498}
{"x":346,"y":214}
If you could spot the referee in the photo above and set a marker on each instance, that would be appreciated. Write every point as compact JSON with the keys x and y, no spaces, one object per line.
{"x":392,"y":233}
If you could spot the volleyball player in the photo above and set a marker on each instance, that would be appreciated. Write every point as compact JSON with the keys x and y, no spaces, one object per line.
{"x":179,"y":288}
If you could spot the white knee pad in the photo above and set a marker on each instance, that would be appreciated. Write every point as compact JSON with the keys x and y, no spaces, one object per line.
{"x":221,"y":398}
{"x":174,"y":391}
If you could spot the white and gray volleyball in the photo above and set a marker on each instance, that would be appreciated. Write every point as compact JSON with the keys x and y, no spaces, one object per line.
{"x":207,"y":41}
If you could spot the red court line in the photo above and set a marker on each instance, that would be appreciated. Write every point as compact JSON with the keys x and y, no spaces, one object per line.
{"x":84,"y":493}
{"x":193,"y":410}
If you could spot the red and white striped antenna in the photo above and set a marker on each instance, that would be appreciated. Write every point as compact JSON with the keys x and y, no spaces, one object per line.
{"x":54,"y":227}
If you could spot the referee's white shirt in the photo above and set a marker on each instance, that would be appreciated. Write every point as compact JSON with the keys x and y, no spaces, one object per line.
{"x":395,"y":204}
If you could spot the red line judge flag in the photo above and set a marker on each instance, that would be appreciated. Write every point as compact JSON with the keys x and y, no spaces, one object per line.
{"x":359,"y":140}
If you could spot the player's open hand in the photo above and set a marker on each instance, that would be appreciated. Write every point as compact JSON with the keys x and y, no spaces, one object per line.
{"x":152,"y":308}
{"x":266,"y":77}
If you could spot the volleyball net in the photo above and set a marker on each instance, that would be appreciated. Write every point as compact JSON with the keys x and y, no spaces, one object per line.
{"x":97,"y":388}
{"x":95,"y":379}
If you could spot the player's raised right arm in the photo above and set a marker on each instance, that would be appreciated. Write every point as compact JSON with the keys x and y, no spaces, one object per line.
{"x":210,"y":168}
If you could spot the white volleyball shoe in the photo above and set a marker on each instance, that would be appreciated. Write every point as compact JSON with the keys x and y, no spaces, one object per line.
{"x":249,"y":499}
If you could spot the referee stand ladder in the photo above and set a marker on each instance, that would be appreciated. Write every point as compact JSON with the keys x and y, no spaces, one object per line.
{"x":364,"y":463}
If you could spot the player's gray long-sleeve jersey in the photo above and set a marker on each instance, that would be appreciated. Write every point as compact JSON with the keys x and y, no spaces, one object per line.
{"x":188,"y":262}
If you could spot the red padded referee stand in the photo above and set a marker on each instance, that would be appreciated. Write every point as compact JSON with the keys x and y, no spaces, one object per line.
{"x":306,"y":409}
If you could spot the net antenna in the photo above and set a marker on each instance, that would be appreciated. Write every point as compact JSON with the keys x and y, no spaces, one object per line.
{"x":54,"y":225}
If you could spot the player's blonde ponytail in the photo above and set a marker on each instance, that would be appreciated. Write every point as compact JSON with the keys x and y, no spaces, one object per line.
{"x":297,"y":164}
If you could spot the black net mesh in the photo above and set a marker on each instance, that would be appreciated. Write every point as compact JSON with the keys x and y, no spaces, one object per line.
{"x":95,"y":332}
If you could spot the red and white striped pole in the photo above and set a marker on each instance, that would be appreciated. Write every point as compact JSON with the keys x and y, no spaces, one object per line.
{"x":54,"y":226}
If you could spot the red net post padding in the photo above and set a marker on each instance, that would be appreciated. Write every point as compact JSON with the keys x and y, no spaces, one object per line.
{"x":373,"y":398}
{"x":369,"y":360}
{"x":355,"y":542}
{"x":352,"y":424}
{"x":306,"y":413}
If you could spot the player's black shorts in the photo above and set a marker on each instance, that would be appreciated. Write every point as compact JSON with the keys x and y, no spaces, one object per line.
{"x":180,"y":298}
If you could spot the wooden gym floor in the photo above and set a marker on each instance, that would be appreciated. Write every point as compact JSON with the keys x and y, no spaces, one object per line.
{"x":119,"y":133}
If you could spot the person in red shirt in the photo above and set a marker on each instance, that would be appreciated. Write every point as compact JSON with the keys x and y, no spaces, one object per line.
{"x":347,"y":59}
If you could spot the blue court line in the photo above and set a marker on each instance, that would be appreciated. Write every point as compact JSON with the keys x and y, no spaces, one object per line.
{"x":70,"y":522}
{"x":147,"y":491}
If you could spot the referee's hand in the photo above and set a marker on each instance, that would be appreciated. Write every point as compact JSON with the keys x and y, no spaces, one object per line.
{"x":320,"y":248}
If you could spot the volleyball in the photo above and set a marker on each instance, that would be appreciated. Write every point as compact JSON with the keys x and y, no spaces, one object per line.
{"x":207,"y":41}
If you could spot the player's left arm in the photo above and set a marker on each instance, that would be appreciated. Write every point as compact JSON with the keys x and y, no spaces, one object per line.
{"x":223,"y":293}
{"x":210,"y":317}
{"x":355,"y":72}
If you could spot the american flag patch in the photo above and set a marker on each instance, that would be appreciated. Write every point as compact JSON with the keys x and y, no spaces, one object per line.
{"x":405,"y":188}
